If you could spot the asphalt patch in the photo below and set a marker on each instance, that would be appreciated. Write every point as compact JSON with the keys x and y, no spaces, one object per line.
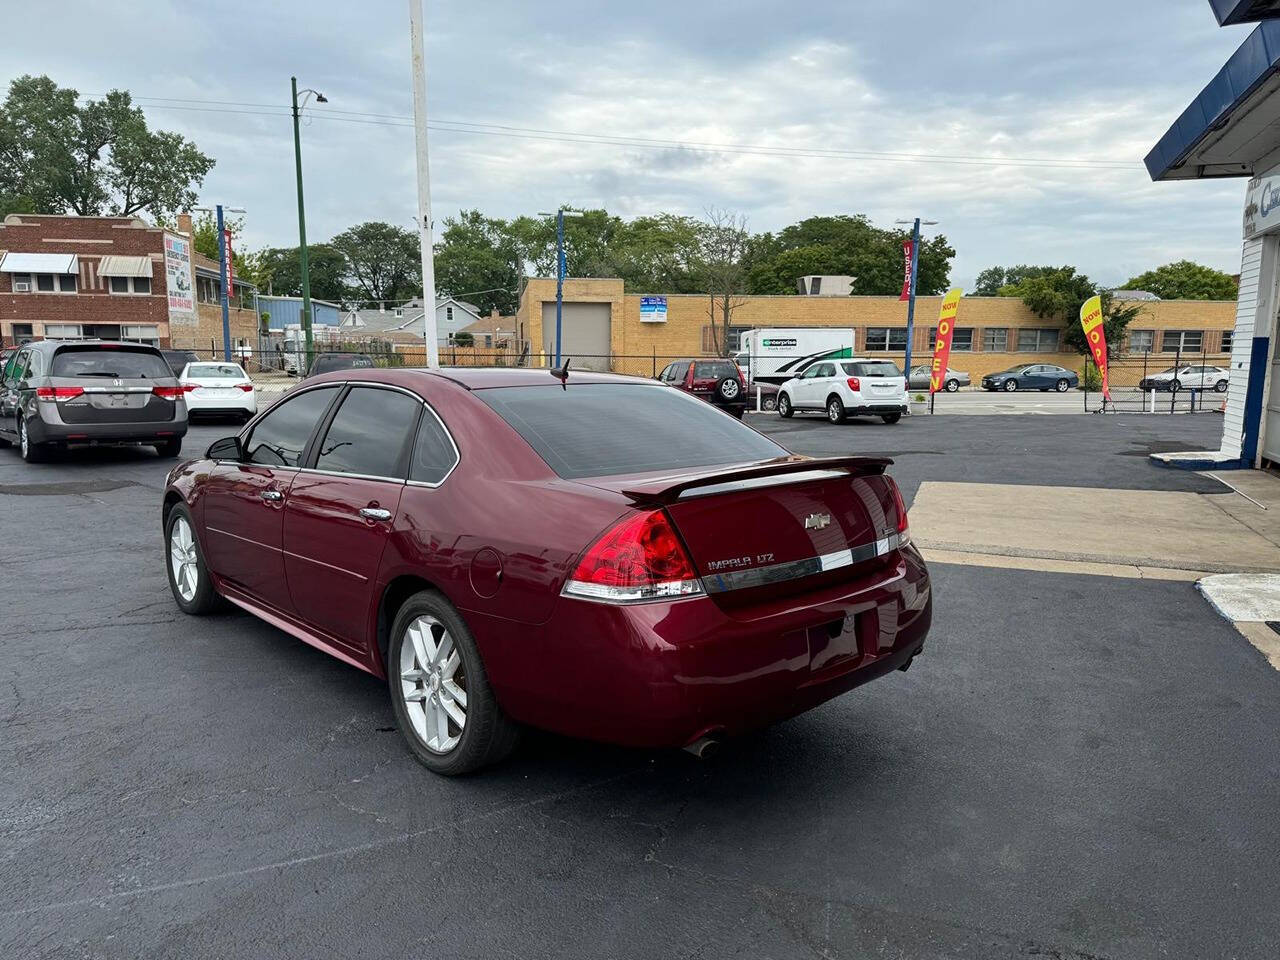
{"x":70,"y":488}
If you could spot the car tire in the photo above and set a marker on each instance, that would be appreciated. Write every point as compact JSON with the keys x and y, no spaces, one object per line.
{"x":952,"y":386}
{"x":30,"y":451}
{"x":1222,"y":386}
{"x":835,"y":409}
{"x":728,"y":389}
{"x":891,"y":418}
{"x":1174,"y":386}
{"x":769,"y":403}
{"x":423,"y":695}
{"x":184,"y":562}
{"x":784,"y":406}
{"x":1009,"y":386}
{"x":1063,"y":385}
{"x":170,"y":448}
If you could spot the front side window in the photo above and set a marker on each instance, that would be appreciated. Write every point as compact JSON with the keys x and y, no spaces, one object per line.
{"x":281,"y":436}
{"x":370,"y":434}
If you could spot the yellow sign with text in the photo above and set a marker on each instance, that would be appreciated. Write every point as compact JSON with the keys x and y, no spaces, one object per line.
{"x":1095,"y":336}
{"x":942,"y":344}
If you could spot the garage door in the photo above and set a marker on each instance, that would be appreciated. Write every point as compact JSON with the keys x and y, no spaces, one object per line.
{"x":584,"y":333}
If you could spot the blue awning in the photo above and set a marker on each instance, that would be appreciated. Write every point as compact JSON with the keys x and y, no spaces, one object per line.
{"x":1244,"y":11}
{"x":1200,"y":142}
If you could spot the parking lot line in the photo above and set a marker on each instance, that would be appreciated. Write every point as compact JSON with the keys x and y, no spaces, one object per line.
{"x":1043,"y":565}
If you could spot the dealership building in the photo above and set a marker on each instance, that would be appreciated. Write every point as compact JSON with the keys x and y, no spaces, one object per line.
{"x":1232,"y":129}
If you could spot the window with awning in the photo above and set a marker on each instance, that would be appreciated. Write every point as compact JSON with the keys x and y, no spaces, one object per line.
{"x":125,"y":267}
{"x":40,"y":263}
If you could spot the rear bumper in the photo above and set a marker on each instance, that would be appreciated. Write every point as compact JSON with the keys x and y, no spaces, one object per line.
{"x":241,"y":403}
{"x":48,"y":428}
{"x":665,"y":674}
{"x":875,"y":409}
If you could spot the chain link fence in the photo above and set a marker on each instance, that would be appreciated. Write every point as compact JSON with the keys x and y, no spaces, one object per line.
{"x":1159,"y":383}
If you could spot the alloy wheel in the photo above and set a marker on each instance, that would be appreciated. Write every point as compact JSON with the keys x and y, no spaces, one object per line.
{"x":183,"y":560}
{"x":1063,"y":386}
{"x":433,"y":684}
{"x":1011,"y":385}
{"x":834,"y":411}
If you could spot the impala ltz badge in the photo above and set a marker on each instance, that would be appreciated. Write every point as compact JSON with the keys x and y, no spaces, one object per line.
{"x":817,"y":521}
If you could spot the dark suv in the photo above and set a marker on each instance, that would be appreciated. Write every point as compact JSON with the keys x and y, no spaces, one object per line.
{"x":329,"y":362}
{"x":56,"y":393}
{"x":717,"y":381}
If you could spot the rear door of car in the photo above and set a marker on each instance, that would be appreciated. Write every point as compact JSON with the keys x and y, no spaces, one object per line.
{"x":342,"y":507}
{"x":117,"y":384}
{"x":243,"y":501}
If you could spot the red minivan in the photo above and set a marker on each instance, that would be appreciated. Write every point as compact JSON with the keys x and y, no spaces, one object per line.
{"x":607,"y":558}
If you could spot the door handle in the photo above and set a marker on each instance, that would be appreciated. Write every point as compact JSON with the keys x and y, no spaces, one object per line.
{"x":375,"y":513}
{"x":272,"y":496}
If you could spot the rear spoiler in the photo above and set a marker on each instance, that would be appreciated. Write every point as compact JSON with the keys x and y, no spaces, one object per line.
{"x":670,"y":489}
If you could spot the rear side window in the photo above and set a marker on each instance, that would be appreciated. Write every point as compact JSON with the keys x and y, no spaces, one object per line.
{"x":280,"y":437}
{"x":598,"y":429}
{"x":714,"y":369}
{"x":370,"y":433}
{"x":433,"y":452}
{"x":875,"y":368}
{"x":119,"y":364}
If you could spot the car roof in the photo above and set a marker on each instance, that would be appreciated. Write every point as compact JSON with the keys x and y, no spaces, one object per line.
{"x":94,"y":344}
{"x":472,"y":378}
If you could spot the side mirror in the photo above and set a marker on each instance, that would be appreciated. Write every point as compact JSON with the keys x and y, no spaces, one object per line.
{"x":228,"y":448}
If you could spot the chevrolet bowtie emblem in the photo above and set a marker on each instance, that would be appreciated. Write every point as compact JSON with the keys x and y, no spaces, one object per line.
{"x":817,"y":521}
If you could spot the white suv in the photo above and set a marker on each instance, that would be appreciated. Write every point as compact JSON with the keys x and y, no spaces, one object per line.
{"x":847,"y":388}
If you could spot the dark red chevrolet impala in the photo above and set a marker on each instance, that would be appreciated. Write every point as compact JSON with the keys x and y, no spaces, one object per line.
{"x":607,"y":558}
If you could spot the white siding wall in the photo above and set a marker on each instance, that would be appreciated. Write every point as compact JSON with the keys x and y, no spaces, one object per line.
{"x":1254,"y":309}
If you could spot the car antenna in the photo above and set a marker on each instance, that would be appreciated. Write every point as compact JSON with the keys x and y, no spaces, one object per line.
{"x":561,"y":373}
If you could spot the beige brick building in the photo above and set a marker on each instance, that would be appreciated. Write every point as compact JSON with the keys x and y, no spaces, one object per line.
{"x":992,"y":333}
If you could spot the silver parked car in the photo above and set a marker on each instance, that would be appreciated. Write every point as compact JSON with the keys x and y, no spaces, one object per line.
{"x":60,"y":393}
{"x":1193,"y":377}
{"x":919,"y":379}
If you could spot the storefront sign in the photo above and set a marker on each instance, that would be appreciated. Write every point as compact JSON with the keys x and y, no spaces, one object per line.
{"x":1096,"y":336}
{"x":1262,"y":204}
{"x":942,"y":346}
{"x":231,"y":272}
{"x":178,"y":279}
{"x":653,"y":309}
{"x":908,"y":253}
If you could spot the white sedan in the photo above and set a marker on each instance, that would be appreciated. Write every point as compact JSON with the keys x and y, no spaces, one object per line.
{"x":849,"y":387}
{"x":219,"y":387}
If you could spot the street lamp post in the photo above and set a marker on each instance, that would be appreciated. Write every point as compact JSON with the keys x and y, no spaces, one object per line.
{"x":302,"y":216}
{"x":560,"y":269}
{"x":911,"y":301}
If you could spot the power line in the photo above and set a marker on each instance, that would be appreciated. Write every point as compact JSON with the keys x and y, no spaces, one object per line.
{"x":567,"y":136}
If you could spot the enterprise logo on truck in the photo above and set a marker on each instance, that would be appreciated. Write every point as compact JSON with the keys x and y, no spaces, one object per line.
{"x":788,"y":343}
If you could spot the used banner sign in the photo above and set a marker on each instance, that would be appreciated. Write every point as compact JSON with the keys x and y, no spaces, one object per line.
{"x":1096,"y":336}
{"x":908,"y":254}
{"x":178,"y":280}
{"x":942,"y":344}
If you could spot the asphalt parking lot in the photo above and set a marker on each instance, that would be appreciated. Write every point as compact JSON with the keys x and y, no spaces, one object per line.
{"x":1078,"y":768}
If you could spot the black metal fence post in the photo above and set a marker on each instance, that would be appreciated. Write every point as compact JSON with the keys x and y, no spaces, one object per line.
{"x":1177,"y":362}
{"x":1085,"y":384}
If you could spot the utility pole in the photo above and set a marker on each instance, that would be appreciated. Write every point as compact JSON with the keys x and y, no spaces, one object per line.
{"x":418,"y":55}
{"x":302,"y":215}
{"x":911,"y":301}
{"x":561,"y":270}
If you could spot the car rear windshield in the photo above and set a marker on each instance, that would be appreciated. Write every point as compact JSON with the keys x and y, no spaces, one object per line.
{"x":215,"y":371}
{"x":714,"y":369}
{"x":871,"y":368}
{"x":117,"y":362}
{"x":599,"y":429}
{"x":327,"y":364}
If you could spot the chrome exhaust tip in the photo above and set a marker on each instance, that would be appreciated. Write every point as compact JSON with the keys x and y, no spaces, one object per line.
{"x":703,"y":747}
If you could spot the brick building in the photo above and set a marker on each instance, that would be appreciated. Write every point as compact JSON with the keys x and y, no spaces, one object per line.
{"x":992,"y":333}
{"x":74,"y":277}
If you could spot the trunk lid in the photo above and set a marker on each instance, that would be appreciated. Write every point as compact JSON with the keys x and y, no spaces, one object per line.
{"x":769,"y":530}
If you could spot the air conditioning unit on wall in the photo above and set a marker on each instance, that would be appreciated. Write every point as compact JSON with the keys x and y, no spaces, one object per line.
{"x":22,"y":286}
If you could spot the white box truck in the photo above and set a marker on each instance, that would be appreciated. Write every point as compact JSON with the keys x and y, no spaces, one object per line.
{"x":774,"y":355}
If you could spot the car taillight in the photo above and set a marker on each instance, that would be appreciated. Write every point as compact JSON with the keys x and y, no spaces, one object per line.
{"x":169,"y":393}
{"x":58,"y":394}
{"x":188,"y":387}
{"x":855,"y":383}
{"x":246,"y":387}
{"x":904,"y":537}
{"x":637,"y":559}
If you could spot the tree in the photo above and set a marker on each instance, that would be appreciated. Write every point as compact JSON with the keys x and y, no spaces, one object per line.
{"x":1185,"y":280}
{"x":279,"y":271}
{"x":846,"y":245}
{"x":478,"y":258}
{"x":993,"y":278}
{"x":722,"y":267}
{"x":1058,"y":293}
{"x":464,"y":339}
{"x":57,"y":156}
{"x":658,"y":253}
{"x":588,"y":244}
{"x":384,"y":262}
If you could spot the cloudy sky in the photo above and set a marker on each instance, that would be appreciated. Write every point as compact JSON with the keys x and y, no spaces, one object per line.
{"x":779,"y":110}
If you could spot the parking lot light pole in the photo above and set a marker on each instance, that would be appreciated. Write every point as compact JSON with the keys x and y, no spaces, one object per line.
{"x":560,"y":268}
{"x":911,"y":300}
{"x":418,"y":63}
{"x":302,"y":216}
